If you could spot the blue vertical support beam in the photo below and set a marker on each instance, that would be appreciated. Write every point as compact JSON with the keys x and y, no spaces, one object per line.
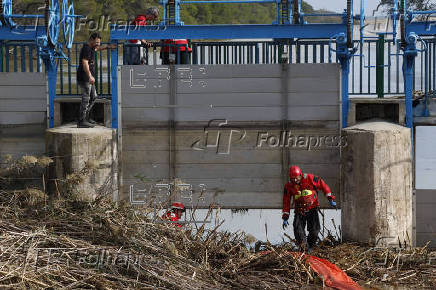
{"x":410,"y":52}
{"x":114,"y":71}
{"x":2,"y":55}
{"x":52,"y":77}
{"x":344,"y":54}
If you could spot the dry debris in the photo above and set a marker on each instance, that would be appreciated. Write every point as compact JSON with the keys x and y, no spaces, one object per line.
{"x":61,"y":241}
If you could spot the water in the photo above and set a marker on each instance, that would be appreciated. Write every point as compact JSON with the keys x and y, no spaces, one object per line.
{"x":266,"y":224}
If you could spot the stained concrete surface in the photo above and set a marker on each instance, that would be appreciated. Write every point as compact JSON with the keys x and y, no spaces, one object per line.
{"x":377,"y":184}
{"x":72,"y":148}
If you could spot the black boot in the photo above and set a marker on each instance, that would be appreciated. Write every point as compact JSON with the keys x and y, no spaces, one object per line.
{"x":85,"y":124}
{"x":88,"y":118}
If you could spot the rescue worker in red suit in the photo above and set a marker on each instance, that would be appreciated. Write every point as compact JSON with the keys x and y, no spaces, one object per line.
{"x":179,"y":48}
{"x":302,"y":189}
{"x":136,"y":54}
{"x":175,"y":214}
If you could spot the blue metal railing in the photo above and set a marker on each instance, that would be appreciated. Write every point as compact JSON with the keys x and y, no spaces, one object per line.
{"x":20,"y":56}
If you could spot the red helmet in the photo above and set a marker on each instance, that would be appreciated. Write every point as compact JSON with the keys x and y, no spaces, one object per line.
{"x":178,"y":205}
{"x":294,"y":171}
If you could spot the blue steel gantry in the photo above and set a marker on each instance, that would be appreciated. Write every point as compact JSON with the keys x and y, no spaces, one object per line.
{"x":46,"y":36}
{"x":410,"y":33}
{"x":289,"y":24}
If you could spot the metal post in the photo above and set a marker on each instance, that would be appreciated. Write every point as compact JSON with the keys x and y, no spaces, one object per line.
{"x":1,"y":56}
{"x":344,"y":54}
{"x":96,"y":66}
{"x":52,"y":77}
{"x":114,"y":71}
{"x":408,"y":87}
{"x":345,"y":65}
{"x":380,"y":65}
{"x":409,"y":55}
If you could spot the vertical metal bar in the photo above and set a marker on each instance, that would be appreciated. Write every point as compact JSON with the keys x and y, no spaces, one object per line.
{"x":397,"y":59}
{"x":434,"y":66}
{"x":414,"y":76}
{"x":426,"y":83}
{"x":256,"y":53}
{"x":212,"y":54}
{"x":61,"y":75}
{"x":23,"y":58}
{"x":77,"y":63}
{"x":421,"y":69}
{"x":276,"y":53}
{"x":69,"y":71}
{"x":202,"y":52}
{"x":321,"y":53}
{"x":51,"y":68}
{"x":15,"y":58}
{"x":252,"y":54}
{"x":114,"y":100}
{"x":380,"y":65}
{"x":7,"y":57}
{"x":194,"y":53}
{"x":31,"y":58}
{"x":330,"y":55}
{"x":430,"y":67}
{"x":2,"y":55}
{"x":352,"y":74}
{"x":362,"y":48}
{"x":369,"y":67}
{"x":97,"y":70}
{"x":38,"y":61}
{"x":306,"y":53}
{"x":218,"y":55}
{"x":267,"y":53}
{"x":108,"y":61}
{"x":389,"y":67}
{"x":101,"y":71}
{"x":314,"y":53}
{"x":298,"y":48}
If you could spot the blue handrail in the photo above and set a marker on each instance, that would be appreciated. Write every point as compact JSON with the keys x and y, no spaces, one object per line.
{"x":23,"y":56}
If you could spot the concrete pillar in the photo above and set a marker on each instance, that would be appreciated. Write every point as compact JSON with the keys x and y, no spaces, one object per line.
{"x":376,"y":184}
{"x":74,"y":149}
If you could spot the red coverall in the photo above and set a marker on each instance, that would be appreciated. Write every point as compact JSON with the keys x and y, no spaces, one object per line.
{"x":135,"y":55}
{"x":306,"y":206}
{"x":171,"y":45}
{"x":171,"y":216}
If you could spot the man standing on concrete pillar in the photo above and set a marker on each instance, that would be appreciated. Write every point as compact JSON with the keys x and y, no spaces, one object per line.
{"x":302,"y":189}
{"x":86,"y":80}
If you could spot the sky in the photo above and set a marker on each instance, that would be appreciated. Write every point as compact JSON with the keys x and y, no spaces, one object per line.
{"x":340,"y":5}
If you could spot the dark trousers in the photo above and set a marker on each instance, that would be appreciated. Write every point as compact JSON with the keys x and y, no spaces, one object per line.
{"x":310,"y":218}
{"x":132,"y":55}
{"x":184,"y":58}
{"x":89,"y":95}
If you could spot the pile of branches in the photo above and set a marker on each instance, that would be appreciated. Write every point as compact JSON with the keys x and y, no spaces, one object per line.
{"x":65,"y":241}
{"x":371,"y":266}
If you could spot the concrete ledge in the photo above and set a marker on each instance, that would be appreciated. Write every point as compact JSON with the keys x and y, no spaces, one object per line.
{"x":389,"y":109}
